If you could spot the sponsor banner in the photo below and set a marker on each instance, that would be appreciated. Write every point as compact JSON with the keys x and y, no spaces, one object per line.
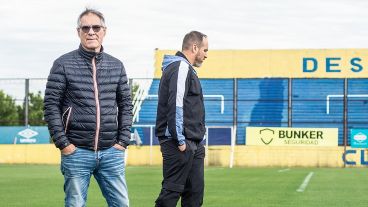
{"x":283,"y":136}
{"x":307,"y":63}
{"x":358,"y":138}
{"x":24,"y":135}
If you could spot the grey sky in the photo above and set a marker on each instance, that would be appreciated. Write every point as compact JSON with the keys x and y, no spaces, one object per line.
{"x":36,"y":32}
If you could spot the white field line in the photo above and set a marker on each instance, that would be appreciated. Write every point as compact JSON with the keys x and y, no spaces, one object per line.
{"x":284,"y":170}
{"x":305,"y":183}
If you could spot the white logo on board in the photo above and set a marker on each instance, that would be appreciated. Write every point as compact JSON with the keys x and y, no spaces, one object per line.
{"x":27,"y":134}
{"x":360,"y":137}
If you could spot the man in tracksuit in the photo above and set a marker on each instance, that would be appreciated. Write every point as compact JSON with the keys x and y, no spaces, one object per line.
{"x":180,"y":124}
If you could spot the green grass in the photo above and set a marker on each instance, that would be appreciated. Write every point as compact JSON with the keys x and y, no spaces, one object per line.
{"x":41,"y":186}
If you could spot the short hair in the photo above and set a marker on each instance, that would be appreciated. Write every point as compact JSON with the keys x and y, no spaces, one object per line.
{"x":193,"y":37}
{"x":91,"y":11}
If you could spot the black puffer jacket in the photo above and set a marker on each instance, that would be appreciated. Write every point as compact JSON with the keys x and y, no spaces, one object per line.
{"x":82,"y":100}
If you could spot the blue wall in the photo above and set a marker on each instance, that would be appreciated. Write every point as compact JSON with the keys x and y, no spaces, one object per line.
{"x":261,"y":102}
{"x":264,"y":102}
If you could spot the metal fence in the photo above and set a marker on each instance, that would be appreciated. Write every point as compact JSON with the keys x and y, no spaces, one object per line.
{"x":294,"y":102}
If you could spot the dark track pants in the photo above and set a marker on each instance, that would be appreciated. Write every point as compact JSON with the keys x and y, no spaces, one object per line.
{"x":183,"y":174}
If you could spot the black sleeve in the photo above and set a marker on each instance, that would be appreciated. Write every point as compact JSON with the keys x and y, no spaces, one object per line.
{"x":125,"y":108}
{"x":54,"y":93}
{"x":177,"y":89}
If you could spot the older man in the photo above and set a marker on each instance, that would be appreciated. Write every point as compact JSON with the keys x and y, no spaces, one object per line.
{"x":89,"y":114}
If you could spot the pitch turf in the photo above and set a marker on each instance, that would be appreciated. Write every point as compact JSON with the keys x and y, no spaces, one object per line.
{"x":41,"y":186}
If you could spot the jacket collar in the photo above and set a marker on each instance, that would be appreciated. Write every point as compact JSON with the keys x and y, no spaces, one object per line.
{"x":89,"y":55}
{"x":180,"y":54}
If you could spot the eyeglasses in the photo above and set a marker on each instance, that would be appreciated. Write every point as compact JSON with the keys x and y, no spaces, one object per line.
{"x":95,"y":28}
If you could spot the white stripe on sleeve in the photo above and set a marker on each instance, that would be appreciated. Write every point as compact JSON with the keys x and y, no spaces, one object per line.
{"x":180,"y":87}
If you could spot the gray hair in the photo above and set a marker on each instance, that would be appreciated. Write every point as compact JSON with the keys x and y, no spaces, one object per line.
{"x":91,"y":11}
{"x":193,"y":37}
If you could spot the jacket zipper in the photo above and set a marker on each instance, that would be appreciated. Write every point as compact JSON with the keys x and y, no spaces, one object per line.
{"x":94,"y":72}
{"x":69,"y":110}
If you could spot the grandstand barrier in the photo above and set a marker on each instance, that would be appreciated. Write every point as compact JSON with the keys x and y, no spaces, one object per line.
{"x":244,"y":156}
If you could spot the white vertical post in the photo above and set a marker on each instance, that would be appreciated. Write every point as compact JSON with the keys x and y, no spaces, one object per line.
{"x":206,"y":146}
{"x":232,"y":151}
{"x":151,"y":143}
{"x":126,"y":156}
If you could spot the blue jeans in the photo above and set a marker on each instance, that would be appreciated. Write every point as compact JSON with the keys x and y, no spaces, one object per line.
{"x":107,"y":166}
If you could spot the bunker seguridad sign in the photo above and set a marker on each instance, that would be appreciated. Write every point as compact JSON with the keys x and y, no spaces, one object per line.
{"x":283,"y":136}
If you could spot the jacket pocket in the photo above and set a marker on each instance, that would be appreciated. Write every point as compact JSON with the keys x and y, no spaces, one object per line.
{"x":195,"y":87}
{"x":65,"y":119}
